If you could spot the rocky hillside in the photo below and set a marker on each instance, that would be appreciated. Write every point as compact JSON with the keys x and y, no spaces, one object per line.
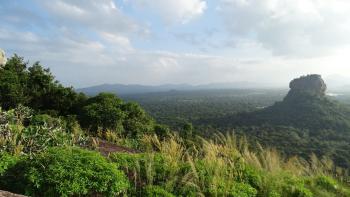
{"x":305,"y":106}
{"x":306,"y":121}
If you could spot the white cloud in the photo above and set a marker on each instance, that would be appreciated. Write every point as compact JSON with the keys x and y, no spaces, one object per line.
{"x":101,"y":16}
{"x":173,"y":11}
{"x":289,"y":27}
{"x":92,"y":42}
{"x":117,"y":41}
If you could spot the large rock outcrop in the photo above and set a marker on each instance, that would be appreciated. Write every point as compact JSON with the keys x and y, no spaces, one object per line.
{"x":305,"y":122}
{"x":305,"y":106}
{"x":312,"y":85}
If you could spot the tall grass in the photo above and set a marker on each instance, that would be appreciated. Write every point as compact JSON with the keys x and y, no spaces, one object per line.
{"x":227,"y":166}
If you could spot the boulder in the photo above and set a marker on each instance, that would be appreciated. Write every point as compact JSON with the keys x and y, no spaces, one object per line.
{"x":2,"y":58}
{"x":9,"y":194}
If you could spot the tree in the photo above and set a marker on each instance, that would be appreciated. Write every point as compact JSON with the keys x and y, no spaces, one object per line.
{"x":161,"y":131}
{"x":13,"y":79}
{"x":108,"y":112}
{"x":102,"y":112}
{"x":37,"y":88}
{"x":136,"y":122}
{"x":187,"y":130}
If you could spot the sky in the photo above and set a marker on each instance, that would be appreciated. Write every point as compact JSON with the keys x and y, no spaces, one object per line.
{"x":152,"y":42}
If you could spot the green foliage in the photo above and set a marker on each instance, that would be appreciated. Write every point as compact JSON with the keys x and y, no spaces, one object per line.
{"x":65,"y":172}
{"x":300,"y":125}
{"x":37,"y":157}
{"x":136,"y":122}
{"x":156,"y":191}
{"x":187,"y":131}
{"x":326,"y":183}
{"x":42,"y":132}
{"x":234,"y":189}
{"x":44,"y":119}
{"x":108,"y":112}
{"x":222,"y":167}
{"x":146,"y":168}
{"x":161,"y":131}
{"x":13,"y":78}
{"x":175,"y":108}
{"x":104,"y":111}
{"x":7,"y":161}
{"x":35,"y":87}
{"x":294,"y":187}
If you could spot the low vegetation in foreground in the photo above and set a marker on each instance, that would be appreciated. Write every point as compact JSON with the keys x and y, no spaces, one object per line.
{"x":49,"y":160}
{"x":52,"y":148}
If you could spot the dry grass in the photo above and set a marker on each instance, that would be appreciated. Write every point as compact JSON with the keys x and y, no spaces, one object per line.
{"x":224,"y":158}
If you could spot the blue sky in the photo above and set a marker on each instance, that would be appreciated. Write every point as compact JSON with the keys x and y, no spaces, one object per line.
{"x":89,"y":42}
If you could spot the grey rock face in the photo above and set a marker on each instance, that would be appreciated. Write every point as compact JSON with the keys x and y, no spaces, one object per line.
{"x":309,"y":84}
{"x":8,"y":194}
{"x":2,"y":58}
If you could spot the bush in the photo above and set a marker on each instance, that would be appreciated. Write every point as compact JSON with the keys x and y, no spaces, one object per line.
{"x":7,"y":161}
{"x":156,"y":191}
{"x":250,"y":176}
{"x":44,"y":119}
{"x":289,"y":186}
{"x":240,"y":190}
{"x":17,"y":137}
{"x":65,"y":172}
{"x":326,"y":183}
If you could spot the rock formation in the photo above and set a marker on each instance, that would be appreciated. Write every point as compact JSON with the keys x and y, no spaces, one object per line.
{"x":8,"y":194}
{"x":312,"y":85}
{"x":2,"y":58}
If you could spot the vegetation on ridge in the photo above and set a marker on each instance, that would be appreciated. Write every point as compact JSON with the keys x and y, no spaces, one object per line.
{"x":50,"y":149}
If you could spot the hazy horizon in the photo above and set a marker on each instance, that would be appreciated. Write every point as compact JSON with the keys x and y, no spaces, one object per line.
{"x":154,"y":42}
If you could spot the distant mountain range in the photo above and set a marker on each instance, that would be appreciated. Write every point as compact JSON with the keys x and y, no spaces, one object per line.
{"x":334,"y":83}
{"x":122,"y":89}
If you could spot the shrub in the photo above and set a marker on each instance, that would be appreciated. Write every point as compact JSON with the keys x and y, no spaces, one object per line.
{"x":35,"y":139}
{"x":250,"y":176}
{"x":22,"y":133}
{"x":44,"y":119}
{"x":65,"y":172}
{"x":156,"y":191}
{"x":161,"y":131}
{"x":326,"y":183}
{"x":7,"y":161}
{"x":240,"y":190}
{"x":287,"y":185}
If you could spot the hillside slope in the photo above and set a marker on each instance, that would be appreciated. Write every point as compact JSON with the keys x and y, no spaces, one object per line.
{"x":306,"y":121}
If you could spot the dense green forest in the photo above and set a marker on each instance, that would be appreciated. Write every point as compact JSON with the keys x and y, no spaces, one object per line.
{"x":300,"y":125}
{"x":57,"y":142}
{"x":174,"y":108}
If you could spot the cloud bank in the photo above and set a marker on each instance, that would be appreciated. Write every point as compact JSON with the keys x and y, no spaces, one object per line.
{"x":92,"y":42}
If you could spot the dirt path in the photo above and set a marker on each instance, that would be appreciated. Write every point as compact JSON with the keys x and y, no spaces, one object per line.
{"x":105,"y":148}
